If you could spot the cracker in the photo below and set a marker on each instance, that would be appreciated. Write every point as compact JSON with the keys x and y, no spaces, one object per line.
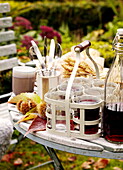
{"x":83,"y":68}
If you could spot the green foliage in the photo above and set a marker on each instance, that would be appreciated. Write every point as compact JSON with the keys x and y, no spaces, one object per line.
{"x":117,"y":22}
{"x":5,"y":82}
{"x":72,"y":19}
{"x":105,"y":49}
{"x":77,"y":14}
{"x":116,"y":7}
{"x":111,"y":29}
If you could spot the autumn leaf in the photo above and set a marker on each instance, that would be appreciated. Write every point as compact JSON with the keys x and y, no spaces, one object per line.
{"x":29,"y":163}
{"x":72,"y":166}
{"x":101,"y":163}
{"x":32,"y":142}
{"x":121,"y":160}
{"x":34,"y":152}
{"x":116,"y":168}
{"x":72,"y":158}
{"x":26,"y":165}
{"x":42,"y":155}
{"x":27,"y":117}
{"x":18,"y":161}
{"x":38,"y":124}
{"x":90,"y":161}
{"x":86,"y":165}
{"x":8,"y":157}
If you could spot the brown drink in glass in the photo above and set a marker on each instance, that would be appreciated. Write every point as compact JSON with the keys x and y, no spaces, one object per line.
{"x":23,"y":78}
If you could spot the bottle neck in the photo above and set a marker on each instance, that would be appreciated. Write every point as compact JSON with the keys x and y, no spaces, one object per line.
{"x":118,"y":48}
{"x":118,"y":42}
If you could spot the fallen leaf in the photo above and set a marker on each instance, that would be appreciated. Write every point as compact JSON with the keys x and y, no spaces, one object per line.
{"x":18,"y":161}
{"x":90,"y":161}
{"x":31,"y":163}
{"x":8,"y":157}
{"x":26,"y":165}
{"x":95,"y":168}
{"x":38,"y":124}
{"x":21,"y":153}
{"x":86,"y":165}
{"x":32,"y":142}
{"x":42,"y":155}
{"x":121,"y":160}
{"x":34,"y":153}
{"x":72,"y":166}
{"x":117,"y":168}
{"x":72,"y":158}
{"x":101,"y":163}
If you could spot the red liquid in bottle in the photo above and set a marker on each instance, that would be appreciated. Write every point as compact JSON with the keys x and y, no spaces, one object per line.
{"x":113,"y":123}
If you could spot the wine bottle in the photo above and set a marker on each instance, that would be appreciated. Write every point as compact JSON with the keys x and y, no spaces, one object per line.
{"x":112,"y":117}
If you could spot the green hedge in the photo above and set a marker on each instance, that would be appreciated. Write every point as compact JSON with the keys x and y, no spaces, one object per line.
{"x":84,"y":15}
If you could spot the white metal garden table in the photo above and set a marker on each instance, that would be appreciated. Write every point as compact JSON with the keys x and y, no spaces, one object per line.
{"x":94,"y":148}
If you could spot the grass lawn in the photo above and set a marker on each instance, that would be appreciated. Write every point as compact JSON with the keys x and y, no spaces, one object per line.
{"x":28,"y":154}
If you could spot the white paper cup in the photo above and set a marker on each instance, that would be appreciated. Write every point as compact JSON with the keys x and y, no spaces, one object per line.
{"x":23,"y":78}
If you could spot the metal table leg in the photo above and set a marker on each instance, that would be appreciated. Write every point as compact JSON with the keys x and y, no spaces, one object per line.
{"x":43,"y":164}
{"x":56,"y":162}
{"x":21,"y":136}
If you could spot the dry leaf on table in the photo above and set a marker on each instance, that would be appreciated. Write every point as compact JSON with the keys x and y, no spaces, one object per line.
{"x":38,"y":124}
{"x":27,"y":117}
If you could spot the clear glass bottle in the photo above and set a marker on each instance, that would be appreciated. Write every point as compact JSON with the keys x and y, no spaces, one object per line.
{"x":112,"y":119}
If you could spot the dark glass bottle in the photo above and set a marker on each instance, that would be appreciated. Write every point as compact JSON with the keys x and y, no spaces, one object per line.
{"x":112,"y":119}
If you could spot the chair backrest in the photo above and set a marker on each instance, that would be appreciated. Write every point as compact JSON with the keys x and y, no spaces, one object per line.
{"x":7,"y":47}
{"x":6,"y":36}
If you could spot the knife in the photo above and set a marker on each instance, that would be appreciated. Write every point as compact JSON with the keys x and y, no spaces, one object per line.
{"x":51,"y":53}
{"x":45,"y":51}
{"x":58,"y":51}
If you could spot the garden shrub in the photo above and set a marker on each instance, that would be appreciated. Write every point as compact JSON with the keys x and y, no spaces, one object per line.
{"x":105,"y":49}
{"x":71,"y":19}
{"x":5,"y":82}
{"x":78,"y":15}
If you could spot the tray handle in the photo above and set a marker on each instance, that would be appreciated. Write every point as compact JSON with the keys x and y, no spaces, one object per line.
{"x":94,"y":63}
{"x":78,"y":48}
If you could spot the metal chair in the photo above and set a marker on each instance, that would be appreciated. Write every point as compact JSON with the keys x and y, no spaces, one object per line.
{"x":7,"y":48}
